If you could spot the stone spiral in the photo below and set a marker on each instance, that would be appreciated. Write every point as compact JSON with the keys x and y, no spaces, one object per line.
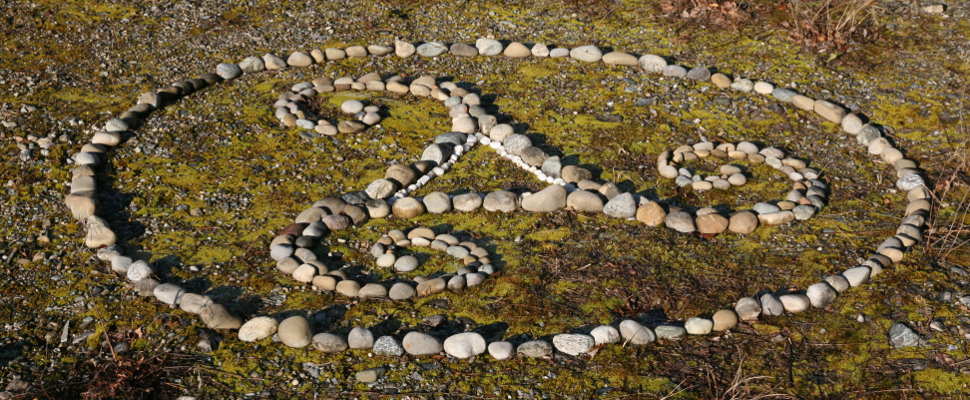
{"x":570,"y":187}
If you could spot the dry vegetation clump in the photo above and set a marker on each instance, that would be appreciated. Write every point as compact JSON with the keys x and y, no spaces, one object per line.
{"x":820,"y":25}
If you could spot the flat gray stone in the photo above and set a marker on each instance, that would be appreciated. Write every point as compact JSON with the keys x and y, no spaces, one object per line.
{"x":387,"y":346}
{"x":621,"y":206}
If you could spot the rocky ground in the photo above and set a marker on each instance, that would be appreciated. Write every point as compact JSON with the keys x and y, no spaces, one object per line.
{"x":210,"y":180}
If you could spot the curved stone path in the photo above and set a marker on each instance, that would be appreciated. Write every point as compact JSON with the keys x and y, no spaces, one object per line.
{"x":570,"y":187}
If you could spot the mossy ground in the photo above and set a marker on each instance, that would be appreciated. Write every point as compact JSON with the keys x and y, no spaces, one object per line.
{"x":207,"y":181}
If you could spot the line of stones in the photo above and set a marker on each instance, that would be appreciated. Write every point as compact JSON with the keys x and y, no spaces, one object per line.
{"x":81,"y":202}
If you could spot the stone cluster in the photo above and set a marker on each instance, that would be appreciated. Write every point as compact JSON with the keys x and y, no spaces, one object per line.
{"x":294,"y":108}
{"x":571,"y":187}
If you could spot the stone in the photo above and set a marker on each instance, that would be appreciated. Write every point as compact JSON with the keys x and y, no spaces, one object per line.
{"x":381,"y":188}
{"x":550,"y":199}
{"x":272,"y":62}
{"x":488,"y":47}
{"x":852,"y":124}
{"x":438,"y":153}
{"x":634,"y":333}
{"x":551,"y":166}
{"x":604,"y":334}
{"x":387,"y":346}
{"x":407,"y":207}
{"x":500,"y":350}
{"x":360,"y":338}
{"x":516,"y":50}
{"x":401,"y":291}
{"x":99,"y":234}
{"x":699,"y":74}
{"x":402,"y":174}
{"x":698,"y":326}
{"x":621,"y":206}
{"x":464,"y":345}
{"x":584,"y":201}
{"x":830,"y":111}
{"x":379,"y":50}
{"x":711,"y":224}
{"x":516,"y":143}
{"x":743,"y":222}
{"x":674,"y":71}
{"x":535,"y":349}
{"x":431,"y":286}
{"x":619,"y":58}
{"x":386,"y":260}
{"x":669,"y":332}
{"x":431,"y":49}
{"x":403,"y":49}
{"x":651,"y":213}
{"x":193,"y":303}
{"x":762,"y":87}
{"x":294,"y":331}
{"x":467,"y":202}
{"x":724,"y":320}
{"x":784,"y":95}
{"x":420,"y":344}
{"x":139,"y":270}
{"x":329,"y":343}
{"x":573,"y":174}
{"x":856,"y":275}
{"x":652,"y":63}
{"x":351,"y":106}
{"x":776,"y":218}
{"x":257,"y":328}
{"x":720,"y":80}
{"x":901,"y":335}
{"x":540,"y":50}
{"x":406,"y":263}
{"x":251,"y":64}
{"x":821,"y":294}
{"x":803,"y":212}
{"x":742,"y":85}
{"x":216,"y":316}
{"x":500,"y":200}
{"x":347,"y":287}
{"x":299,"y":59}
{"x":463,"y":50}
{"x":228,"y":71}
{"x":370,"y":375}
{"x":588,"y":53}
{"x":356,"y":51}
{"x":334,"y":53}
{"x":573,"y":344}
{"x":794,"y":302}
{"x":372,"y":291}
{"x":474,"y":279}
{"x":82,"y":206}
{"x":910,"y":182}
{"x":770,"y":305}
{"x":167,"y":293}
{"x":747,"y":308}
{"x":838,"y":282}
{"x":680,"y":221}
{"x":437,"y":202}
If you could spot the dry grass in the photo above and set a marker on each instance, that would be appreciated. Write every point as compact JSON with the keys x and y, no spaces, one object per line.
{"x":104,"y":374}
{"x":948,"y":239}
{"x":820,"y":25}
{"x":832,"y":24}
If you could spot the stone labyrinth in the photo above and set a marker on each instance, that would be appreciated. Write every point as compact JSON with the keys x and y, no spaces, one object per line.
{"x":297,"y":247}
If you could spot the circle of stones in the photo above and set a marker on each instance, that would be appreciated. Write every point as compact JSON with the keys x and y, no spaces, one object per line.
{"x":807,"y":196}
{"x":357,"y":207}
{"x":293,"y":109}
